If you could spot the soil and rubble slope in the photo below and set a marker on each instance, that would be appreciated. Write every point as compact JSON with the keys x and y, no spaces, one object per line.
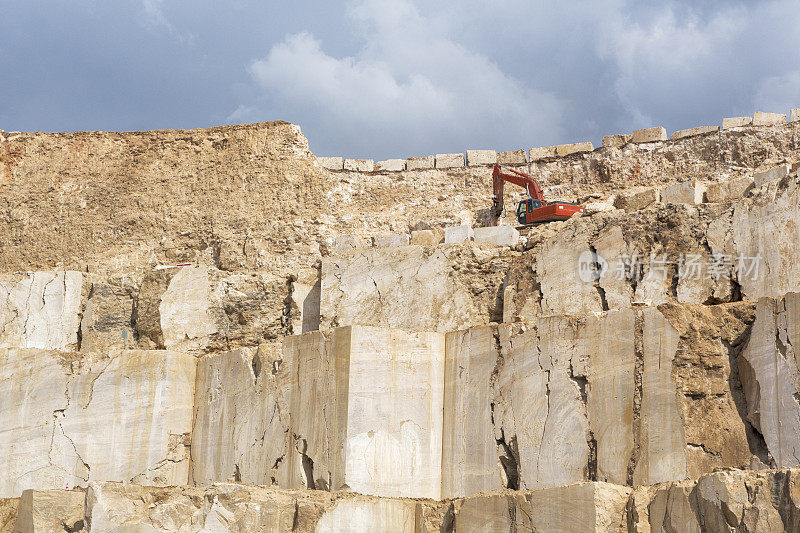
{"x":209,"y":330}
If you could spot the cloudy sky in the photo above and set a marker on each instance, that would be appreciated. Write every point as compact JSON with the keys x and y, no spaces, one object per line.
{"x":397,"y":78}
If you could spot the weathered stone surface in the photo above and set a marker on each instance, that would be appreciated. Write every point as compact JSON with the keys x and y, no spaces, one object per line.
{"x":725,"y":191}
{"x":589,"y":507}
{"x":331,"y":163}
{"x":392,"y":165}
{"x":688,"y":192}
{"x":700,"y":130}
{"x":574,"y":148}
{"x":457,"y":234}
{"x":356,"y":515}
{"x":470,"y":453}
{"x":795,"y":115}
{"x":481,"y":157}
{"x":535,"y":154}
{"x":8,"y":514}
{"x":420,"y":163}
{"x":639,"y":200}
{"x":774,"y":174}
{"x":107,"y":319}
{"x":617,"y":140}
{"x":449,"y":160}
{"x":73,"y":420}
{"x":414,"y":288}
{"x":304,"y":301}
{"x":359,"y":165}
{"x":649,"y":135}
{"x":496,"y":236}
{"x":493,"y":512}
{"x":768,"y":119}
{"x":736,"y":122}
{"x":770,"y":377}
{"x":390,"y":240}
{"x":50,"y":510}
{"x":513,"y":157}
{"x":427,"y":237}
{"x":40,"y":310}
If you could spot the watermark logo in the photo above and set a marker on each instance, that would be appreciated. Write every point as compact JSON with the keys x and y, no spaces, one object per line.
{"x":634,"y":267}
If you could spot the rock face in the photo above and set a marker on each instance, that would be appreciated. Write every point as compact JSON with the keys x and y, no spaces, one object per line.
{"x":285,"y":360}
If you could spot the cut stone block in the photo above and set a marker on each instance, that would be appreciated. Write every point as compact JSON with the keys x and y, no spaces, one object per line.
{"x":470,"y":452}
{"x":617,"y":140}
{"x":108,"y":317}
{"x":736,"y":122}
{"x":359,"y":165}
{"x":420,"y":163}
{"x":659,"y":133}
{"x":535,"y":154}
{"x":725,"y":191}
{"x":700,"y":130}
{"x":343,"y":245}
{"x":449,"y":160}
{"x":496,"y":235}
{"x":40,"y":310}
{"x":50,"y":510}
{"x":331,"y":163}
{"x":687,"y":192}
{"x":481,"y":157}
{"x":357,"y":515}
{"x":427,"y":237}
{"x":457,"y":234}
{"x":583,"y":507}
{"x":574,"y":148}
{"x":514,"y":157}
{"x":68,"y":429}
{"x":768,"y":119}
{"x":794,"y":115}
{"x":390,"y":240}
{"x":391,"y":165}
{"x":639,"y":200}
{"x":768,"y":176}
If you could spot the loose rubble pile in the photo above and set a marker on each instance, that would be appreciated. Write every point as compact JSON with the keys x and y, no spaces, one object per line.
{"x":207,"y":331}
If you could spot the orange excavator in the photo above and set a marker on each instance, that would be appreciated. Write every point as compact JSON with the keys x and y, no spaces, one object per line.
{"x":535,"y":209}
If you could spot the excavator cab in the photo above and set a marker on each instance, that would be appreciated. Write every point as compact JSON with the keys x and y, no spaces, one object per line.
{"x":525,"y":207}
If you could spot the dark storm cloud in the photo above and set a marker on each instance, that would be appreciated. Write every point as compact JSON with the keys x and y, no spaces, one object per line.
{"x":384,"y":78}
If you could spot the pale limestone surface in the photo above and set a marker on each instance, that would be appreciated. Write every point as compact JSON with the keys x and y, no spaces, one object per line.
{"x":688,"y":192}
{"x":331,"y":163}
{"x":700,"y":130}
{"x":359,"y":165}
{"x":392,"y":165}
{"x":186,"y":313}
{"x":407,"y":287}
{"x":359,"y":515}
{"x":457,"y":234}
{"x":394,"y":413}
{"x":50,"y":510}
{"x":583,"y":507}
{"x":774,"y":174}
{"x":795,"y":115}
{"x":661,"y":442}
{"x":470,"y":461}
{"x":768,"y":119}
{"x":573,"y":148}
{"x":481,"y":157}
{"x":725,"y":191}
{"x":124,"y":417}
{"x":449,"y":160}
{"x":40,"y":310}
{"x":496,"y":235}
{"x":535,"y":154}
{"x":420,"y":163}
{"x":617,"y":140}
{"x":736,"y":122}
{"x":647,"y":135}
{"x":390,"y":240}
{"x":513,"y":157}
{"x":426,"y":237}
{"x":770,"y":377}
{"x":639,"y":199}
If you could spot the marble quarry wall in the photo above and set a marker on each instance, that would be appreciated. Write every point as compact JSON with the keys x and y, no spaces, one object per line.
{"x":279,"y":365}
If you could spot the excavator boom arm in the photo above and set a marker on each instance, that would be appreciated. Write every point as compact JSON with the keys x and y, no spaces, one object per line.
{"x":517,"y":178}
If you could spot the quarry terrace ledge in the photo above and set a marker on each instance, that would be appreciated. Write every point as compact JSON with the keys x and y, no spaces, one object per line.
{"x":475,"y":158}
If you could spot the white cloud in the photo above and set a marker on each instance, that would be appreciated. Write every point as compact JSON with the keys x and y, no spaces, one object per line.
{"x":155,"y":19}
{"x":410,"y":89}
